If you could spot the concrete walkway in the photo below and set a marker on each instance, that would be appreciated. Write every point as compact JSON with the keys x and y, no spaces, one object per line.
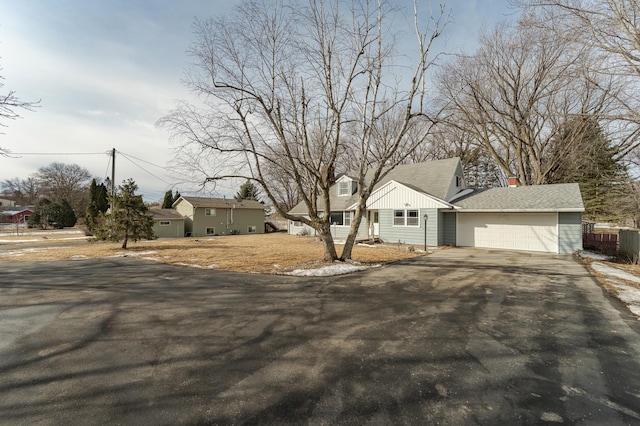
{"x":460,"y":337}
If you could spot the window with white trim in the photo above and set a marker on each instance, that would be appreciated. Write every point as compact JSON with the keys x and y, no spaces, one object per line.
{"x":210,"y":231}
{"x":251,"y":229}
{"x":337,"y":218}
{"x":347,"y":218}
{"x":406,"y":218}
{"x":343,"y":218}
{"x":165,"y":223}
{"x":412,"y":218}
{"x":344,"y":188}
{"x":297,"y":223}
{"x":209,"y":212}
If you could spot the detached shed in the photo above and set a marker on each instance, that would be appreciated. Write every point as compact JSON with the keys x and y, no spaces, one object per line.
{"x":167,"y":223}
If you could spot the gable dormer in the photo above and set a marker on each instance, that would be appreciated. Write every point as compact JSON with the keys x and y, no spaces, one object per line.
{"x":345,"y":186}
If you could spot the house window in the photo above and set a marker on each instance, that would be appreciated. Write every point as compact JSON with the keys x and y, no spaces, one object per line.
{"x":337,"y":218}
{"x":344,"y":188}
{"x":406,"y":218}
{"x":412,"y":218}
{"x":165,"y":223}
{"x":347,"y":218}
{"x":297,"y":223}
{"x":341,"y":218}
{"x":209,"y":212}
{"x":458,"y":181}
{"x":210,"y":231}
{"x":398,"y":218}
{"x":251,"y":229}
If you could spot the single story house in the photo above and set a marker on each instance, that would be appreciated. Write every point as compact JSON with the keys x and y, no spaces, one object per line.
{"x":167,"y":223}
{"x":20,"y":216}
{"x":220,"y":216}
{"x":429,"y":204}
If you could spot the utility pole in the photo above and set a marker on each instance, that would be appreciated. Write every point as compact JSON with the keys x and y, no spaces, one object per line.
{"x":113,"y":172}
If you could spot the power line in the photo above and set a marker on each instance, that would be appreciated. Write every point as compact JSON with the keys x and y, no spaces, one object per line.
{"x":142,"y":168}
{"x":57,"y":153}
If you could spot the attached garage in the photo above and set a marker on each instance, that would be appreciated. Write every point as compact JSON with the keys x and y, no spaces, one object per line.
{"x":543,"y":218}
{"x":511,"y":231}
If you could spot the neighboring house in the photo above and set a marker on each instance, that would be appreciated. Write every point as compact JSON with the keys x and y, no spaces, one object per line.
{"x":429,"y":203}
{"x":167,"y":223}
{"x":220,"y":216}
{"x":7,"y":203}
{"x":15,"y":216}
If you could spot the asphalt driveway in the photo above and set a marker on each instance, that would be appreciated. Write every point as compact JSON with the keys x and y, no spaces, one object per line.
{"x":460,"y":337}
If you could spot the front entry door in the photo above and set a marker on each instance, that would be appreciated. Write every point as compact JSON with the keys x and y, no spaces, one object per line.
{"x":374,"y":224}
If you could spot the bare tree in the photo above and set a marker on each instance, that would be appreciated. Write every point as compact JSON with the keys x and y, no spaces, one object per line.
{"x":60,"y":181}
{"x":289,"y":87}
{"x":9,"y":103}
{"x":514,"y":94}
{"x":22,"y":191}
{"x":610,"y":28}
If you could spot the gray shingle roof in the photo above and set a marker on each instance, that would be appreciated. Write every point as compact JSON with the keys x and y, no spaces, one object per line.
{"x":165,"y":214}
{"x":222,"y":203}
{"x":431,"y":177}
{"x":559,"y":197}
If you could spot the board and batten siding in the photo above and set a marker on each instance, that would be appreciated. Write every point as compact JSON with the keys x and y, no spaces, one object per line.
{"x":409,"y":234}
{"x":569,"y":232}
{"x":397,"y":196}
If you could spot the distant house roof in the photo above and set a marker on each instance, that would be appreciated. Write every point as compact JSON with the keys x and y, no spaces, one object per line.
{"x":165,"y":214}
{"x":432,"y":178}
{"x":14,"y":212}
{"x":220,"y":203}
{"x":552,"y":198}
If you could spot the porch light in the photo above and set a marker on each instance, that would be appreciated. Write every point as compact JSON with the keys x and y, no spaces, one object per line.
{"x":425,"y":217}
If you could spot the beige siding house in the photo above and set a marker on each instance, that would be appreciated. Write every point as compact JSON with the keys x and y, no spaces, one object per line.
{"x":220,"y":216}
{"x":167,"y":223}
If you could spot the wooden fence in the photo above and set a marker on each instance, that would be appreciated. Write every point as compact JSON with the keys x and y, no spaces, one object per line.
{"x":607,"y":243}
{"x":630,"y":245}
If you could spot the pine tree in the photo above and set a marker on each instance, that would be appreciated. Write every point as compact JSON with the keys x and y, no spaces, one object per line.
{"x":175,"y":197}
{"x":585,"y":155}
{"x":248,"y":191}
{"x":62,"y":214}
{"x":41,"y":216}
{"x":168,"y":200}
{"x":97,"y":205}
{"x":129,"y":218}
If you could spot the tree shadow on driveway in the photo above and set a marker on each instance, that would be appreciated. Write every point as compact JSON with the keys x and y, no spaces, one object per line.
{"x":422,"y":341}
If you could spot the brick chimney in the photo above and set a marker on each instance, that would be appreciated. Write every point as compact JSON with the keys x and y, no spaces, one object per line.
{"x":513,"y":181}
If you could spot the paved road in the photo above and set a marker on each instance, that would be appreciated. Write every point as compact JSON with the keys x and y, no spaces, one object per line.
{"x":460,"y":337}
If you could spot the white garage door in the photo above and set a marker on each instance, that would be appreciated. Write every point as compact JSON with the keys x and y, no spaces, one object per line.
{"x":514,"y":231}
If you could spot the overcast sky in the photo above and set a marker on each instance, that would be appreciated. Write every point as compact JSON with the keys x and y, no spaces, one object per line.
{"x":106,"y":70}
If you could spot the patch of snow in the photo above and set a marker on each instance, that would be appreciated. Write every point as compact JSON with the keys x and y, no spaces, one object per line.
{"x":19,"y":252}
{"x":191,"y":265}
{"x":630,"y":296}
{"x":610,"y":271}
{"x":78,"y":257}
{"x":134,"y":254}
{"x":330,"y":270}
{"x":585,"y":254}
{"x":64,"y":232}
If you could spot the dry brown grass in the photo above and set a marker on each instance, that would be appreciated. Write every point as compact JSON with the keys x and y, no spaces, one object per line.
{"x":268,"y":253}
